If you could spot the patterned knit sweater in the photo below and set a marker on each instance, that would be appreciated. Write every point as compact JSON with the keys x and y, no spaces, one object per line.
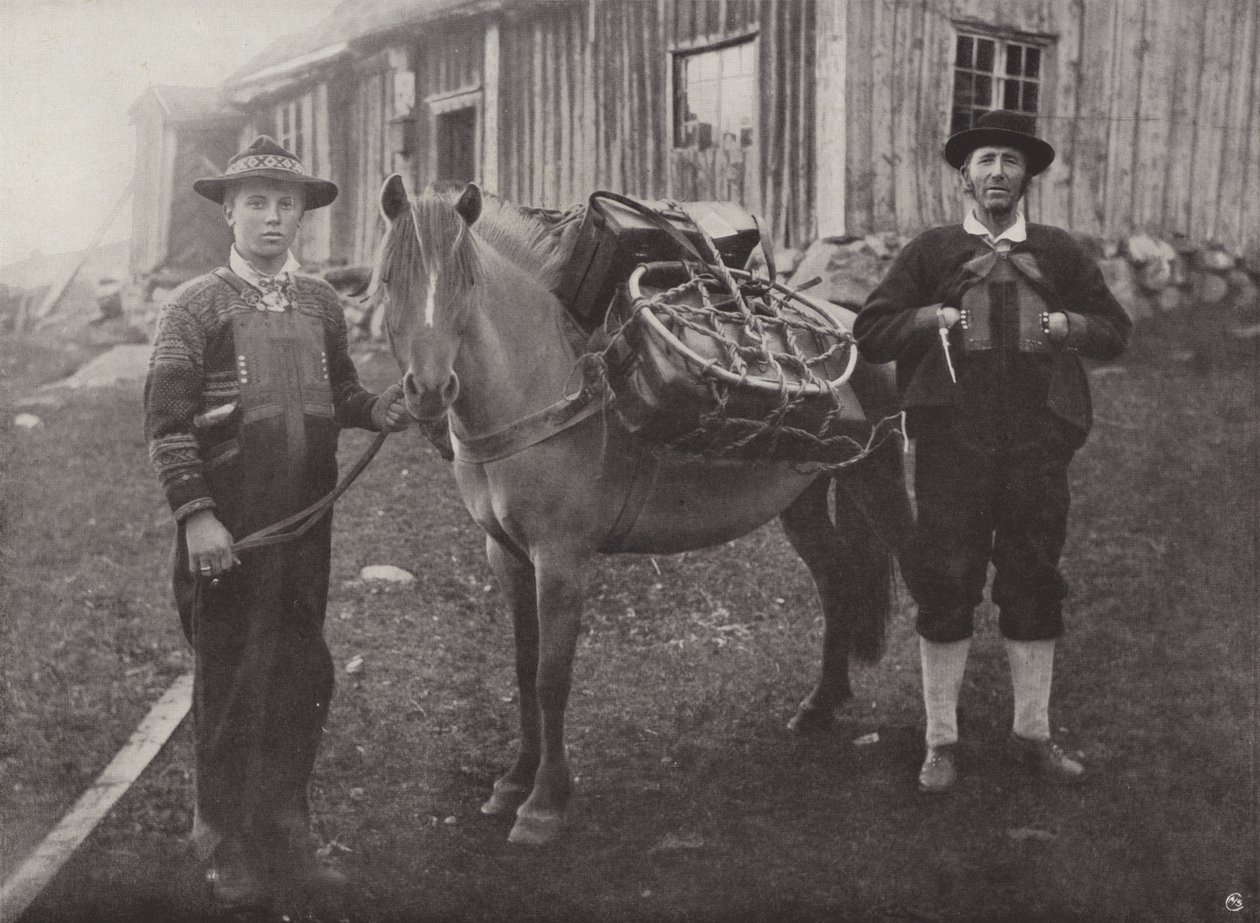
{"x":193,"y":369}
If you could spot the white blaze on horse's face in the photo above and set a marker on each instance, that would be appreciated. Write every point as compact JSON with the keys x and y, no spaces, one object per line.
{"x":428,"y":248}
{"x":430,"y":300}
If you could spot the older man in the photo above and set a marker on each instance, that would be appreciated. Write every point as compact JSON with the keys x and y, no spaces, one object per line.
{"x":987,"y":320}
{"x":249,"y":383}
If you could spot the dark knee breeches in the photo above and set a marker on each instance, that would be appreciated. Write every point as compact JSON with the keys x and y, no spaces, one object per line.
{"x":1005,"y":503}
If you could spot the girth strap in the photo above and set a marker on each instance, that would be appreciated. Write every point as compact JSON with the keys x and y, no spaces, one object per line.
{"x":642,"y":480}
{"x":528,"y":431}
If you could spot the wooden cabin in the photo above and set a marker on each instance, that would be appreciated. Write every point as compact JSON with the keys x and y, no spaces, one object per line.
{"x":826,"y":117}
{"x":182,"y":133}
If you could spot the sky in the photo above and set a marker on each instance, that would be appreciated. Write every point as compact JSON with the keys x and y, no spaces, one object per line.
{"x":70,"y":70}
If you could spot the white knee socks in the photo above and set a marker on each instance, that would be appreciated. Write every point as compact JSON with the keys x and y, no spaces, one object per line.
{"x":943,"y":667}
{"x":1032,"y":667}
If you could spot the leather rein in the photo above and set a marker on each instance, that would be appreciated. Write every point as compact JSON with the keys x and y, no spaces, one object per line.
{"x":294,"y":527}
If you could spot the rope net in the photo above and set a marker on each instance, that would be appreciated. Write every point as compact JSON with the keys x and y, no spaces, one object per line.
{"x":757,"y":376}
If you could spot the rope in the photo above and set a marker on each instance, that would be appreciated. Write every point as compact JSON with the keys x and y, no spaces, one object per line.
{"x":757,"y":331}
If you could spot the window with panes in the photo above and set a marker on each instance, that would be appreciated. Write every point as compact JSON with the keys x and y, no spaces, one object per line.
{"x":714,"y":97}
{"x":992,"y":72}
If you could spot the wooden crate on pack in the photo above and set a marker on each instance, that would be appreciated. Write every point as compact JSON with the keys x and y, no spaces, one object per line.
{"x":689,"y":378}
{"x":616,"y":236}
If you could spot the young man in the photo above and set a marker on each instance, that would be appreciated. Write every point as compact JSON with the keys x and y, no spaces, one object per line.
{"x":249,"y":383}
{"x":987,"y":320}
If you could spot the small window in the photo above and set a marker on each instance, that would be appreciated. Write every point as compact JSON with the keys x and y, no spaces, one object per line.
{"x":714,"y":97}
{"x":991,"y":72}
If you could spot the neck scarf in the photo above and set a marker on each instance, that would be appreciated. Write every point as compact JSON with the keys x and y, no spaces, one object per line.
{"x":276,"y":289}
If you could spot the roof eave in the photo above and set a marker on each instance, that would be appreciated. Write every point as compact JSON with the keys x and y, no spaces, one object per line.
{"x":270,"y":79}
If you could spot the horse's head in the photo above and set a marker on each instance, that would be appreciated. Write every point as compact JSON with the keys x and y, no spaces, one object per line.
{"x":427,"y":269}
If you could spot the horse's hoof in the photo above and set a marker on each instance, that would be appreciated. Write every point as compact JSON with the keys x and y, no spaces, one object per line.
{"x":811,"y":719}
{"x":505,"y":799}
{"x":536,"y":828}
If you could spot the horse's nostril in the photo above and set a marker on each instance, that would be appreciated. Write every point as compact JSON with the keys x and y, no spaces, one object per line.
{"x":409,"y":385}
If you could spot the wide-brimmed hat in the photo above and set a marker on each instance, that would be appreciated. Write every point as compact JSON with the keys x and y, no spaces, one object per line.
{"x":267,"y":160}
{"x":1003,"y":128}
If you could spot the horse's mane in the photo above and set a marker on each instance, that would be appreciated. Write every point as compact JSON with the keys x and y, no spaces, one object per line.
{"x":538,"y":241}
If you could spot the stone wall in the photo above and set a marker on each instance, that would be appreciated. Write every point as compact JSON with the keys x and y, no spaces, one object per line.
{"x":1202,"y":298}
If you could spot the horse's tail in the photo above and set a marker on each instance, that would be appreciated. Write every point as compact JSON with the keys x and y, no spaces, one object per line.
{"x":874,"y":521}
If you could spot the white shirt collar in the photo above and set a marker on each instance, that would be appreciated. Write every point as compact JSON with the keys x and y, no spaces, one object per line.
{"x":247,"y":271}
{"x":1016,"y":233}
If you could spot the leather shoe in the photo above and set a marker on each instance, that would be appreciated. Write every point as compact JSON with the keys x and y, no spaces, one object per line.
{"x":233,"y":882}
{"x":1047,"y":759}
{"x":939,"y":772}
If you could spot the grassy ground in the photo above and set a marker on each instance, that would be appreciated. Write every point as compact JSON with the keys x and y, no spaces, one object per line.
{"x":694,"y":803}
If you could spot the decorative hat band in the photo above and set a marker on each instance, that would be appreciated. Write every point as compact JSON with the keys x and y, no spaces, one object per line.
{"x":265,"y":158}
{"x":265,"y":162}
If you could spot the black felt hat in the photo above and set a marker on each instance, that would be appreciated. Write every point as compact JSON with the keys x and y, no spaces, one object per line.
{"x":267,"y":160}
{"x":1003,"y":128}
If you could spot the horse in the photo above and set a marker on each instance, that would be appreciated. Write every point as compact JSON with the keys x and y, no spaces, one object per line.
{"x":480,"y":337}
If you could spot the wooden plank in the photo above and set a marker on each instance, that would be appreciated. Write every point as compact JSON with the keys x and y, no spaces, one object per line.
{"x":1155,"y":99}
{"x":790,"y":56}
{"x":317,"y":126}
{"x":629,"y":111}
{"x":1177,"y":187}
{"x":771,"y":127}
{"x":859,"y":174}
{"x":1057,"y":119}
{"x":517,"y":135}
{"x":1210,"y":117}
{"x":664,"y":123}
{"x":632,"y":88}
{"x":590,"y":108}
{"x":1250,"y":210}
{"x":804,"y":229}
{"x":925,"y":147}
{"x":490,"y":107}
{"x":754,"y":187}
{"x":1126,"y":58}
{"x":547,"y":139}
{"x":170,"y":147}
{"x":537,"y":151}
{"x":360,"y":170}
{"x":1239,"y":107}
{"x":946,"y":205}
{"x":508,"y":108}
{"x":568,"y":108}
{"x":689,"y":26}
{"x":651,"y":129}
{"x":830,"y":108}
{"x":1093,"y":78}
{"x":39,"y":868}
{"x":560,"y":113}
{"x":907,"y":85}
{"x":883,"y":37}
{"x":1249,"y":220}
{"x":643,"y":123}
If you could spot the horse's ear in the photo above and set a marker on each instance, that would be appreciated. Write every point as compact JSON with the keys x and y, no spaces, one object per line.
{"x":469,"y":204}
{"x":393,"y":197}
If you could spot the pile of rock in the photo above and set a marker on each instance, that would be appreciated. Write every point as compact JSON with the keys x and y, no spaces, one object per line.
{"x":1152,"y":278}
{"x":848,"y":267}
